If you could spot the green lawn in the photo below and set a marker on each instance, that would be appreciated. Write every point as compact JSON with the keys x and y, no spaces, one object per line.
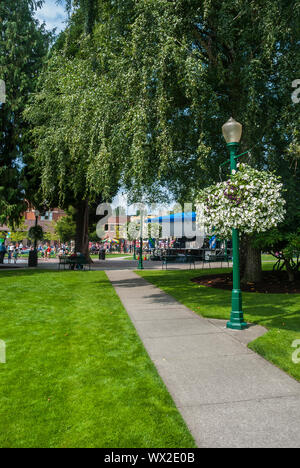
{"x":268,"y":258}
{"x":108,"y":256}
{"x":77,"y":374}
{"x":280,"y":313}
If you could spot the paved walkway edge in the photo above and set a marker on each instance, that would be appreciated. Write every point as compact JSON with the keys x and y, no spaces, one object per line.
{"x":228,"y":395}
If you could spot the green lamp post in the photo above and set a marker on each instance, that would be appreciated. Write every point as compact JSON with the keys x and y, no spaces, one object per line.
{"x":134,"y":250}
{"x":232,"y":132}
{"x":36,"y":214}
{"x":141,"y":264}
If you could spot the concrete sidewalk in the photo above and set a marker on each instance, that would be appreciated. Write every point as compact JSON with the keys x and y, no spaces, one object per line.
{"x":228,"y":395}
{"x":116,"y":264}
{"x":125,"y":264}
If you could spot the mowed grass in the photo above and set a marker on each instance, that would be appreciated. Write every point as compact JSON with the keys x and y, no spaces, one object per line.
{"x":77,"y":374}
{"x":279,"y":313}
{"x":129,"y":256}
{"x":268,"y":258}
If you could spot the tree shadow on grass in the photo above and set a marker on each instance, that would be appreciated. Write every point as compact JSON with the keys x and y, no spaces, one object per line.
{"x":22,"y":272}
{"x":30,"y":272}
{"x":134,"y":284}
{"x":280,"y":311}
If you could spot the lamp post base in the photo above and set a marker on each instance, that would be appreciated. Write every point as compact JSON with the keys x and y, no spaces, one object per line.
{"x":237,"y":325}
{"x":237,"y":316}
{"x":237,"y":321}
{"x":33,"y":259}
{"x":140,"y":264}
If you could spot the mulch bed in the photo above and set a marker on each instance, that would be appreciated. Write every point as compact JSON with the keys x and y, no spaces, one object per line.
{"x":272,"y":283}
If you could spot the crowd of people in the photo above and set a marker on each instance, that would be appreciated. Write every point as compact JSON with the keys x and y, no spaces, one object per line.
{"x":111,"y":247}
{"x":16,"y":250}
{"x":46,"y":251}
{"x":12,"y":251}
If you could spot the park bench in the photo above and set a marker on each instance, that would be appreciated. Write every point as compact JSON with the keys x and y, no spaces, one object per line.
{"x":167,"y":259}
{"x":155,"y":258}
{"x":217,"y":259}
{"x":73,"y":261}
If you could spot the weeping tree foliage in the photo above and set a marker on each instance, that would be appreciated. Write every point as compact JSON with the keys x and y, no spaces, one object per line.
{"x":23,"y":46}
{"x":186,"y":67}
{"x":65,"y":228}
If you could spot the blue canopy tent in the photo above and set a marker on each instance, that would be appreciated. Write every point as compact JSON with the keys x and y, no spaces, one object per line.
{"x":173,"y":218}
{"x":177,"y":225}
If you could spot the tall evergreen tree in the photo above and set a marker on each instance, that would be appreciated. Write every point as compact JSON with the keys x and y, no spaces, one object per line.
{"x":23,"y":46}
{"x":67,"y":115}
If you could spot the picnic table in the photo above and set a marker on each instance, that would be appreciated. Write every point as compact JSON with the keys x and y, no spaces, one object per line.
{"x":78,"y":262}
{"x":167,"y":259}
{"x":217,"y":256}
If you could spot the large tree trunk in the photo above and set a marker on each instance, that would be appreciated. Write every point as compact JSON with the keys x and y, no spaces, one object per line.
{"x":251,"y":262}
{"x":82,"y":228}
{"x":290,"y":272}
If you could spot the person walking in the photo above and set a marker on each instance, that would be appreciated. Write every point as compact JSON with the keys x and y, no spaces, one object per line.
{"x":48,"y":252}
{"x":10,"y":251}
{"x":16,"y":255}
{"x":45,"y":252}
{"x":2,"y":253}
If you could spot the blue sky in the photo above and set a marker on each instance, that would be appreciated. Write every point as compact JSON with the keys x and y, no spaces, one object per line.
{"x":52,"y":14}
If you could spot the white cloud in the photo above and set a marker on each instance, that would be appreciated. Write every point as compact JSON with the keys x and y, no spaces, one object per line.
{"x":52,"y":14}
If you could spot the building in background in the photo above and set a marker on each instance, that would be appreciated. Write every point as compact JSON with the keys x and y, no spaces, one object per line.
{"x":47,"y":221}
{"x":113,"y":226}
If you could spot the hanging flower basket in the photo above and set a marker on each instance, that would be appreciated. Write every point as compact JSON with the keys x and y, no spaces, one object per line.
{"x":250,"y":201}
{"x":36,"y":233}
